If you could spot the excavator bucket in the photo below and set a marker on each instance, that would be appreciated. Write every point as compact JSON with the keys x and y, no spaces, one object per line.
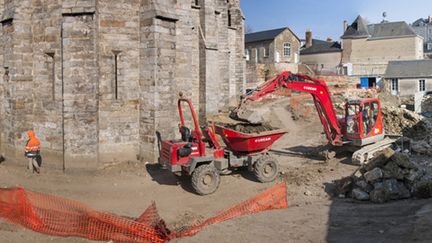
{"x":250,"y":115}
{"x":256,"y":112}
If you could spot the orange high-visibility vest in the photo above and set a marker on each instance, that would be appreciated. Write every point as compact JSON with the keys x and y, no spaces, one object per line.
{"x":33,"y":144}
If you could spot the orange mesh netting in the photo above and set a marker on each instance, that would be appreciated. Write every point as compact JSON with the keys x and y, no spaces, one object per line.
{"x":64,"y":217}
{"x":273,"y":198}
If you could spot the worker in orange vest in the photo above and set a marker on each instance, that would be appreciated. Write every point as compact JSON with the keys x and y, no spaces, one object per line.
{"x":32,"y":152}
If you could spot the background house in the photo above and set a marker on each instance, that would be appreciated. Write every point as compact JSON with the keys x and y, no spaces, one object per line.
{"x":270,"y":52}
{"x":407,"y":78}
{"x":321,"y":56}
{"x":423,"y":27}
{"x":367,"y":49}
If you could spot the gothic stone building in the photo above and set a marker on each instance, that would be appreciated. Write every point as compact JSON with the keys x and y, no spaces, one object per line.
{"x":97,"y":78}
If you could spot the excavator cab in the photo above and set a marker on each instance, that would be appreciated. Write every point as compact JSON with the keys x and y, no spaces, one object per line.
{"x":363,"y":121}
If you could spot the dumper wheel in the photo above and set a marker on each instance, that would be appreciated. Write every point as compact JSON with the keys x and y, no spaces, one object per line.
{"x":266,"y":169}
{"x":205,"y":179}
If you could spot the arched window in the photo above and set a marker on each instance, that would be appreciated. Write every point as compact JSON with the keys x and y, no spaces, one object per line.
{"x":266,"y":51}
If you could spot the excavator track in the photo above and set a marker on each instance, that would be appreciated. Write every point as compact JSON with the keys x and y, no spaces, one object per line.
{"x":363,"y":155}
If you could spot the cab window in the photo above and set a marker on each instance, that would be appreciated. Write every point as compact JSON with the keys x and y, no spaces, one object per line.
{"x":366,"y":118}
{"x":374,"y":111}
{"x":352,"y":118}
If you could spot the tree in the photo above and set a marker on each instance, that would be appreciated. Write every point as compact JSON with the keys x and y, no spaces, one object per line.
{"x":248,"y":29}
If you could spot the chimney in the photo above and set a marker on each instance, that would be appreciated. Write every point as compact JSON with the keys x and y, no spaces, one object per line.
{"x":345,"y":26}
{"x":308,"y":38}
{"x":329,"y":39}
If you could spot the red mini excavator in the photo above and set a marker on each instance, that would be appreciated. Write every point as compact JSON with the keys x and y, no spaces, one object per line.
{"x":361,"y":127}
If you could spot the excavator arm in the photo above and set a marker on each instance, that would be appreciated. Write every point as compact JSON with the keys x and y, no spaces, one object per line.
{"x":320,"y":94}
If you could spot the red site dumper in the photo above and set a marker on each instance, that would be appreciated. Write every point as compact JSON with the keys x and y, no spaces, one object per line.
{"x":199,"y":154}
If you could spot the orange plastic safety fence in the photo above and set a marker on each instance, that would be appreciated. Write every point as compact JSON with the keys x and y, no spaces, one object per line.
{"x":273,"y":198}
{"x":63,"y":217}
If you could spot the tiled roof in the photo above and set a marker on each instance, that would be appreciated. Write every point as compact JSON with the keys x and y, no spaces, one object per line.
{"x":390,"y":29}
{"x":320,"y":46}
{"x":409,"y":69}
{"x":265,"y":35}
{"x":360,"y":29}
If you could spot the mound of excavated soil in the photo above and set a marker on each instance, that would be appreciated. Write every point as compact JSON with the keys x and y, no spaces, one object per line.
{"x":250,"y":128}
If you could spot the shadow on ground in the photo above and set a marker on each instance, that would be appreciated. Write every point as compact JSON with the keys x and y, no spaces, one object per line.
{"x":397,"y":221}
{"x":165,"y":177}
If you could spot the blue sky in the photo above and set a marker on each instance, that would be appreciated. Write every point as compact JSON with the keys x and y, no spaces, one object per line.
{"x":325,"y":17}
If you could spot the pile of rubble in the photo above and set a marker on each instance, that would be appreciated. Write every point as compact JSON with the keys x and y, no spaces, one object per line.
{"x":426,"y":106}
{"x":389,"y":176}
{"x":400,"y":121}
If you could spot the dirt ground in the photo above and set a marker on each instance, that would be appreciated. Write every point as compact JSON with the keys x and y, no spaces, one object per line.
{"x":313,"y":216}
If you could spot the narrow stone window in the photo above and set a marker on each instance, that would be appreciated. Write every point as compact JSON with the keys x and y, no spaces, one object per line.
{"x":287,"y":49}
{"x":345,"y":70}
{"x":7,"y":22}
{"x":229,"y":18}
{"x":247,"y":55}
{"x":422,"y":85}
{"x":116,"y":72}
{"x":266,"y":51}
{"x":6,"y":74}
{"x":394,"y":85}
{"x":196,"y":4}
{"x":267,"y":74}
{"x":277,"y":57}
{"x":51,"y":72}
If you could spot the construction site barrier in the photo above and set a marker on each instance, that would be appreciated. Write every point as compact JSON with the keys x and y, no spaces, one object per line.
{"x":58,"y":216}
